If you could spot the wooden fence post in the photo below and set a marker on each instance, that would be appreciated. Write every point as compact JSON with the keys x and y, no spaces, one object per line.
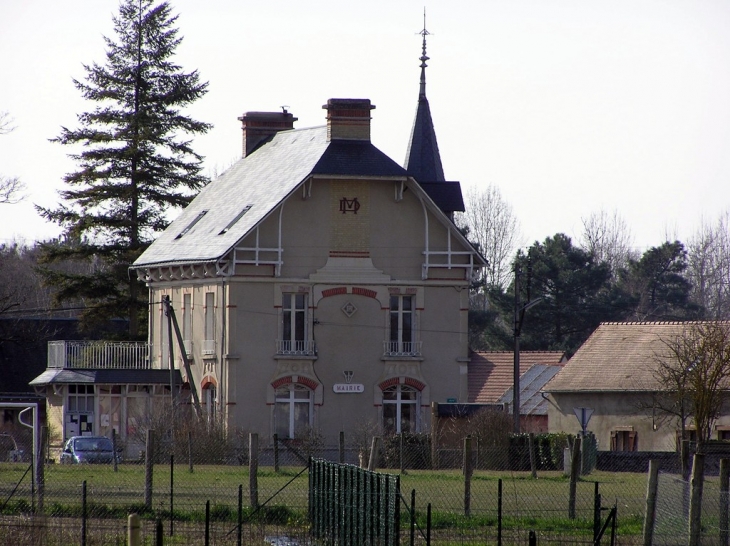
{"x":574,"y":472}
{"x":434,"y":436}
{"x":276,"y":452}
{"x":531,"y":447}
{"x":373,"y":454}
{"x":253,"y":469}
{"x":190,"y":451}
{"x":695,"y":501}
{"x":651,"y":491}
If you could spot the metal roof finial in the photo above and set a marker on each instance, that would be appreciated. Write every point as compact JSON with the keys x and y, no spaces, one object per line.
{"x":424,"y":57}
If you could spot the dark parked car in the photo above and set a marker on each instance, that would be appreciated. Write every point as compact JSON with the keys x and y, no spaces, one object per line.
{"x":87,"y":449}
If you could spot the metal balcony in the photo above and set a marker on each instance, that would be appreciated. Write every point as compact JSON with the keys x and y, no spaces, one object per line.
{"x":402,"y":348}
{"x":292,"y":347}
{"x":121,"y":355}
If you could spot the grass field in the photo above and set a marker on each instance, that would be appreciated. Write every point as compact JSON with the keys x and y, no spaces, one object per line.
{"x":540,"y":504}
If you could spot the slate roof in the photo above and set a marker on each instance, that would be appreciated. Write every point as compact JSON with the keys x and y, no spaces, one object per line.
{"x":447,"y":195}
{"x":423,"y":160}
{"x":618,"y":356}
{"x":262,"y":180}
{"x":531,"y":383}
{"x":107,"y":376}
{"x":491,"y":373}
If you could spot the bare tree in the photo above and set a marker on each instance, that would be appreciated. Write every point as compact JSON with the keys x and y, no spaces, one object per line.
{"x":608,"y":237}
{"x":11,"y":187}
{"x":709,"y":267}
{"x":693,"y":372}
{"x":494,"y":228}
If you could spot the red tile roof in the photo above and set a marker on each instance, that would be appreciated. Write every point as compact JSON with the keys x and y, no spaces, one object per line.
{"x":491,"y":372}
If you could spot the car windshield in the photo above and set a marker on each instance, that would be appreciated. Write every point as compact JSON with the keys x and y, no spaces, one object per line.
{"x":93,"y":444}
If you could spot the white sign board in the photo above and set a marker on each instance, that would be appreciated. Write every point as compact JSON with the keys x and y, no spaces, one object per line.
{"x":347,"y":388}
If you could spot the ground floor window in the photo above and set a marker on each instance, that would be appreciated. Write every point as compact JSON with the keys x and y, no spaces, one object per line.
{"x":293,"y":410}
{"x":624,"y":440}
{"x":400,"y":409}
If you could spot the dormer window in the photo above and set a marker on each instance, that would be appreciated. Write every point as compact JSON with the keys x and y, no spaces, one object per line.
{"x":191,"y":225}
{"x":236,"y":219}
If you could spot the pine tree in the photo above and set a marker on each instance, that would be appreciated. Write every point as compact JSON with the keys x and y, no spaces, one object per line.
{"x":133,"y":164}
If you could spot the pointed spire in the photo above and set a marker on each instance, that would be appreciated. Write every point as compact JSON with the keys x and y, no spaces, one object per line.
{"x":423,"y":161}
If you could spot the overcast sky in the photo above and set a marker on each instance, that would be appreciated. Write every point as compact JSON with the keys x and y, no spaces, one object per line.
{"x":567,"y":106}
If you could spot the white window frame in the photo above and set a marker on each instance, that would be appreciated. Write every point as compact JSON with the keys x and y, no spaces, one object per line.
{"x":402,"y":327}
{"x":399,"y":402}
{"x":209,"y":324}
{"x":294,"y":307}
{"x":187,"y":322}
{"x":287,"y":394}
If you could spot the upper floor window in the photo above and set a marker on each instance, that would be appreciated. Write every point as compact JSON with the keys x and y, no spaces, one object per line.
{"x":209,"y":324}
{"x":294,"y":325}
{"x":402,"y":339}
{"x":187,"y":317}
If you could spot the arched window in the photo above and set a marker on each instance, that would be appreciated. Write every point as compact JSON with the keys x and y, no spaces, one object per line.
{"x":293,"y":410}
{"x":210,"y":399}
{"x":400,"y":409}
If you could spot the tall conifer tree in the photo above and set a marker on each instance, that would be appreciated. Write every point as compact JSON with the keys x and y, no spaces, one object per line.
{"x":135,"y":162}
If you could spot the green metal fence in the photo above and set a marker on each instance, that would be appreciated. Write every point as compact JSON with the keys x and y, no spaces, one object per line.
{"x":352,"y":506}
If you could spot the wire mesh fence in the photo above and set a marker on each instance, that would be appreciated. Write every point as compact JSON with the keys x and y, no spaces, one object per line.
{"x":456,"y":494}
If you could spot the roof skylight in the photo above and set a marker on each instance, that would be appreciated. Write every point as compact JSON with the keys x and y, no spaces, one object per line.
{"x":236,"y":219}
{"x":192,"y":223}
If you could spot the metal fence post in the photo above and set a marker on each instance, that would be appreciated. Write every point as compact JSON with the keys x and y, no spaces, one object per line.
{"x":239,"y":534}
{"x":83,"y":513}
{"x":172,"y":493}
{"x":695,"y":501}
{"x":467,"y":476}
{"x":207,"y":522}
{"x":149,"y":446}
{"x":253,"y":469}
{"x":596,"y":512}
{"x":499,"y":512}
{"x":724,"y":501}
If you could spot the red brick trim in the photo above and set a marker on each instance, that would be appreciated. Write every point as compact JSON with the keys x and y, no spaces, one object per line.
{"x":281,"y":381}
{"x":311,"y":383}
{"x":334,"y":291}
{"x":415,"y":383}
{"x":392,"y":382}
{"x":364,"y":292}
{"x":208,"y":380}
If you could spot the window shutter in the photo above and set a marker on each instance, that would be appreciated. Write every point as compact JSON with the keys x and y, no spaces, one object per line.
{"x":613,"y":441}
{"x":632,"y":441}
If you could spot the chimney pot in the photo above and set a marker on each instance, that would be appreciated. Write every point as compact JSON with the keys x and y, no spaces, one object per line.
{"x":259,"y":126}
{"x":348,"y":119}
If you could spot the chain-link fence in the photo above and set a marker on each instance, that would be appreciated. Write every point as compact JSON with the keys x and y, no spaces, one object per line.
{"x":194,"y":492}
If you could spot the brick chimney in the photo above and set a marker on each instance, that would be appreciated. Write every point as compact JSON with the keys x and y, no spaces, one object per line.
{"x":348,"y":119}
{"x":258,"y":126}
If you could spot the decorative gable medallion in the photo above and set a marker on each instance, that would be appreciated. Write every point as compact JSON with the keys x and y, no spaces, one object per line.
{"x":349,"y":309}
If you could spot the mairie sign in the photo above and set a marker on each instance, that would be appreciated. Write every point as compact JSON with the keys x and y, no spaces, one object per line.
{"x":346,"y":388}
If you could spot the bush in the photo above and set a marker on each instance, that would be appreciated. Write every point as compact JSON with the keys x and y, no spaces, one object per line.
{"x":416,"y":450}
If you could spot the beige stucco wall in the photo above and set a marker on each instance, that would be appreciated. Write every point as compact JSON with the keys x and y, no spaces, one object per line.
{"x":248,"y":310}
{"x":613,"y":411}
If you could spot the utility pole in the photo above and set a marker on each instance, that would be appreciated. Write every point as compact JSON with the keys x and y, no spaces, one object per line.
{"x":520,"y":309}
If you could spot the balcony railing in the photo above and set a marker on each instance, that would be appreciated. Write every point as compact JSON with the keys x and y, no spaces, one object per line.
{"x":289,"y":347}
{"x":402,"y":348}
{"x":132,"y":355}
